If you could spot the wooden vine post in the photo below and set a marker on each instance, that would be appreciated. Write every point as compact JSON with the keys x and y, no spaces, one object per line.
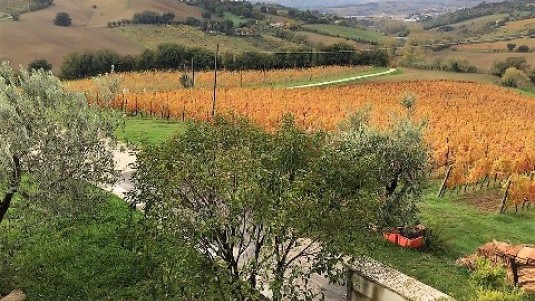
{"x":504,"y":199}
{"x":443,"y":186}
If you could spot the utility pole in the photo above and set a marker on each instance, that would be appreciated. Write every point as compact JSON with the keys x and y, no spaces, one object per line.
{"x":193,"y":71}
{"x":215,"y":79}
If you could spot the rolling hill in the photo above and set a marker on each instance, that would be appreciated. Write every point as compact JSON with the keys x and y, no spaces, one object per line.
{"x":94,"y":26}
{"x":35,"y":35}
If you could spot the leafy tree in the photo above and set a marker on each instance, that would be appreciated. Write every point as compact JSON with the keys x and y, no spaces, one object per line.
{"x":84,"y":64}
{"x":152,"y":17}
{"x":264,"y":205}
{"x":192,"y":21}
{"x":170,"y":56}
{"x":51,"y":139}
{"x":40,"y":64}
{"x":63,"y":19}
{"x":337,"y":54}
{"x":168,"y":17}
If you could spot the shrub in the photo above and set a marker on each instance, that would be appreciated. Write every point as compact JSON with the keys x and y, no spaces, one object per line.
{"x":186,"y":81}
{"x":460,"y":66}
{"x":522,"y":48}
{"x":15,"y":16}
{"x":531,"y":75}
{"x":491,"y":284}
{"x":485,"y":295}
{"x":515,"y":78}
{"x":519,"y":63}
{"x":511,"y":46}
{"x":40,"y":64}
{"x":487,"y":276}
{"x":63,"y":19}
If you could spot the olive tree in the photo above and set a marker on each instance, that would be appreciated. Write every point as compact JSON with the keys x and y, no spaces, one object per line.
{"x":400,"y":167}
{"x":265,"y":206}
{"x":52,"y":139}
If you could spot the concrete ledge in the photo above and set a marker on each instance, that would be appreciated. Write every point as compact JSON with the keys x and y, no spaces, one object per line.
{"x":372,"y":280}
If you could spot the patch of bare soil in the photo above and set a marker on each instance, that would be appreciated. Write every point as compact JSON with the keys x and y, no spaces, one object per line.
{"x":484,"y":200}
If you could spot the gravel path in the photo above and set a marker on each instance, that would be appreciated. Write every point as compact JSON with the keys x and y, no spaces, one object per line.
{"x":345,"y":80}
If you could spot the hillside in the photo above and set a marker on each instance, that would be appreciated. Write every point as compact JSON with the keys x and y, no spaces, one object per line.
{"x":518,"y":9}
{"x":35,"y":35}
{"x":105,"y":24}
{"x":21,"y":6}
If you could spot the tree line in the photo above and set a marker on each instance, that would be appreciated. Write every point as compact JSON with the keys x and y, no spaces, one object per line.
{"x":178,"y":57}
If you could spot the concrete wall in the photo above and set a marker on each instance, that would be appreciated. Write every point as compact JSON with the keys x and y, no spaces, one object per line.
{"x":362,"y":289}
{"x":370,"y":280}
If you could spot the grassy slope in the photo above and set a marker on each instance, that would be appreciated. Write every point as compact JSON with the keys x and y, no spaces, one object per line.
{"x":319,"y":39}
{"x":347,"y":32}
{"x":152,"y":36}
{"x":96,"y":253}
{"x":237,"y":20}
{"x":18,"y":6}
{"x":462,"y":228}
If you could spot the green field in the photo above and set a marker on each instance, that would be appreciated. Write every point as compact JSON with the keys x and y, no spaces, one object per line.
{"x":346,"y":32}
{"x":237,"y":20}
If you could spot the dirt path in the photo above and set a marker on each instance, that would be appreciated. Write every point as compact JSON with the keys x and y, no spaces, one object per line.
{"x":344,"y":80}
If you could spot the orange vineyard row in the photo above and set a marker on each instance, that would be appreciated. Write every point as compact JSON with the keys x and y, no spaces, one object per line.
{"x":482,"y":131}
{"x":160,"y":81}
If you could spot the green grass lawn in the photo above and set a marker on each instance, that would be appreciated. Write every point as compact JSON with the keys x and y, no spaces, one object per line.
{"x":461,"y":228}
{"x":346,"y":32}
{"x":93,"y":249}
{"x":139,"y":130}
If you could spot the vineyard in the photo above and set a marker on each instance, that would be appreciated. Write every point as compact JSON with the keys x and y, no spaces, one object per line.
{"x":170,"y":81}
{"x":480,"y":135}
